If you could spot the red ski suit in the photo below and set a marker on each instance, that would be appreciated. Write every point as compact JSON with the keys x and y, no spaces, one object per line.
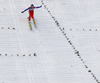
{"x":31,"y":13}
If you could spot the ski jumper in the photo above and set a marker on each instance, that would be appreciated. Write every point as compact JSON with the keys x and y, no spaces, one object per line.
{"x":31,"y":11}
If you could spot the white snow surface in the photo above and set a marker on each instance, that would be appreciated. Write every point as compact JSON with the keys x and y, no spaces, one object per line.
{"x":66,"y":42}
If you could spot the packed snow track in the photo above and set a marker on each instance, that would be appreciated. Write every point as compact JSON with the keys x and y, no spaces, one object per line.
{"x":64,"y":48}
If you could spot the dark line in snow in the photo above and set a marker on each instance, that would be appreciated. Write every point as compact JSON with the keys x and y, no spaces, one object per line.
{"x":20,"y":55}
{"x":8,"y":28}
{"x":62,"y":29}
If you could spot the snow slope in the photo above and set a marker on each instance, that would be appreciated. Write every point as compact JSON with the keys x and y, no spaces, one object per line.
{"x":66,"y":42}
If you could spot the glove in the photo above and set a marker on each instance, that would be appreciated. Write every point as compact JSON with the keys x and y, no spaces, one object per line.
{"x":22,"y":12}
{"x":41,"y":6}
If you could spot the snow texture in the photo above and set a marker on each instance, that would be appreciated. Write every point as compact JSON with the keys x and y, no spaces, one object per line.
{"x":64,"y":48}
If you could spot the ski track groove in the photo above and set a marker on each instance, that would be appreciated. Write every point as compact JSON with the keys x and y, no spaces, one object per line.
{"x":62,"y":29}
{"x":13,"y":12}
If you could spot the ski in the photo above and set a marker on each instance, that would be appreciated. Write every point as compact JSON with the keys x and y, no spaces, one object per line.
{"x":34,"y":23}
{"x":30,"y":25}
